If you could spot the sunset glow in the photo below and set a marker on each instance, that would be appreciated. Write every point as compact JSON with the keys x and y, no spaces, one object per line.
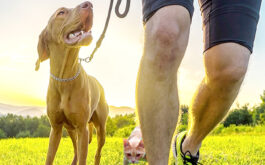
{"x":115,"y":64}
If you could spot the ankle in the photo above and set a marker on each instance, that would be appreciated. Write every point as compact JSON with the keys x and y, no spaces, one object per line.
{"x":189,"y":145}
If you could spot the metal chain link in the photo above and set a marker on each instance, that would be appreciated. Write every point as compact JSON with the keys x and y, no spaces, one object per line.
{"x":66,"y":79}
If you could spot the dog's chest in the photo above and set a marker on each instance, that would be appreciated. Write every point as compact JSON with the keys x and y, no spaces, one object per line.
{"x":74,"y":101}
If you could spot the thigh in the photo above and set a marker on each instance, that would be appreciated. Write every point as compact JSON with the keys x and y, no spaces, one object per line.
{"x":229,"y":21}
{"x":151,"y":6}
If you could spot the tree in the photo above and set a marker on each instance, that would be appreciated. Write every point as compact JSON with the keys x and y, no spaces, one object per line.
{"x":124,"y":120}
{"x":262,"y":118}
{"x":239,"y":116}
{"x":2,"y":134}
{"x":118,"y":122}
{"x":259,"y":111}
{"x":31,"y":124}
{"x":42,"y":131}
{"x":184,"y":109}
{"x":23,"y":134}
{"x":12,"y":124}
{"x":110,"y":127}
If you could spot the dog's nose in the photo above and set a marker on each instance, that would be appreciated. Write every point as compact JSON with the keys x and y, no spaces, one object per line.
{"x":86,"y":5}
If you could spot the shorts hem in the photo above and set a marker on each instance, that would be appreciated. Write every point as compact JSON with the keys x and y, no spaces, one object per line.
{"x":242,"y":43}
{"x":155,"y":7}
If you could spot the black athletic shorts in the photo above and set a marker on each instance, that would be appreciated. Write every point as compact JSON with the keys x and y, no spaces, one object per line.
{"x":223,"y":20}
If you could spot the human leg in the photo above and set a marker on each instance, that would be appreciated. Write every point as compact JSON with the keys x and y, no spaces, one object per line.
{"x":166,"y":38}
{"x":225,"y":65}
{"x":229,"y":33}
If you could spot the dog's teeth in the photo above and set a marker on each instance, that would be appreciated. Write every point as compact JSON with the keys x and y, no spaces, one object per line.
{"x":71,"y":36}
{"x":82,"y":32}
{"x":77,"y":33}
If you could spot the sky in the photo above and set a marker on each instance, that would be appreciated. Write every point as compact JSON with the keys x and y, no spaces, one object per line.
{"x":115,"y":64}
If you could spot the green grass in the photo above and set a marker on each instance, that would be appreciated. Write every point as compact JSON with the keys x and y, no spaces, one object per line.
{"x":216,"y":150}
{"x":236,"y":150}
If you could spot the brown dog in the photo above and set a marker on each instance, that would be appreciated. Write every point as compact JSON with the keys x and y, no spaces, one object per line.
{"x":74,"y":100}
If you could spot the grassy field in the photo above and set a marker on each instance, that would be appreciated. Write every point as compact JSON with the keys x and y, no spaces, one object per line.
{"x":216,"y":150}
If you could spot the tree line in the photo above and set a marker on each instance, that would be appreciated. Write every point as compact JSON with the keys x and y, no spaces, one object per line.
{"x":13,"y":126}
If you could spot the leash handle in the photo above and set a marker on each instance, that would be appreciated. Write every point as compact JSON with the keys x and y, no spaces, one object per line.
{"x":120,"y":15}
{"x":117,"y":11}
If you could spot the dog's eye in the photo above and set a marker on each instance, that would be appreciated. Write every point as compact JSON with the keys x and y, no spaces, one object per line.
{"x":61,"y":13}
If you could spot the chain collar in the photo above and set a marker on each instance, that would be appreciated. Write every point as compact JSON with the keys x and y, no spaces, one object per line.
{"x":66,"y":79}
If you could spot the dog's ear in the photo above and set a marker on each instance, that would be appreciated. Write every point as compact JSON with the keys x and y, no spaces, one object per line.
{"x":43,"y":49}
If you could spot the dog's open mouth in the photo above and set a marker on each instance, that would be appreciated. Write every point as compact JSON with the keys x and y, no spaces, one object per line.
{"x":77,"y":36}
{"x":81,"y":35}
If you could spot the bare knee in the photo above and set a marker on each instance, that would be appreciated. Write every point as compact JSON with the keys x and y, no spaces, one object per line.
{"x":228,"y":77}
{"x":226,"y":64}
{"x":166,"y":37}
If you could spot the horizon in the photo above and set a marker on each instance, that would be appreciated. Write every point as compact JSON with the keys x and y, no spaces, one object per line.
{"x":38,"y":111}
{"x":115,"y":64}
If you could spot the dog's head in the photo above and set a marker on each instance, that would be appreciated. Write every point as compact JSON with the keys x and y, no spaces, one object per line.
{"x":68,"y":28}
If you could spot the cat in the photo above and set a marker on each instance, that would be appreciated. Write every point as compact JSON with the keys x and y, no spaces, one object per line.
{"x":134,"y":147}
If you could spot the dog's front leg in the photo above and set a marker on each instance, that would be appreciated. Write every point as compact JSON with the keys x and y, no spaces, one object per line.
{"x":55,"y":137}
{"x":82,"y":133}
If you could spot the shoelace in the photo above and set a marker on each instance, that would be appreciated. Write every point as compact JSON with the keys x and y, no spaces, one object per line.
{"x":193,"y":160}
